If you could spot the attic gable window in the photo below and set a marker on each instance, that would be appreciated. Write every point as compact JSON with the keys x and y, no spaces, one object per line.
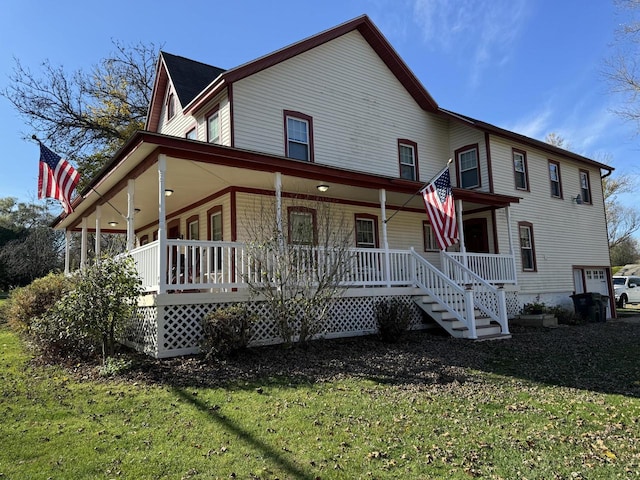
{"x":468,"y":166}
{"x":213,"y":125}
{"x":408,"y":157}
{"x":520,"y":169}
{"x":171,"y":106}
{"x":299,"y":136}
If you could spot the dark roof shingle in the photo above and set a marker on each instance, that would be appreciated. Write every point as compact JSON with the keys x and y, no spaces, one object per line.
{"x":188,"y":76}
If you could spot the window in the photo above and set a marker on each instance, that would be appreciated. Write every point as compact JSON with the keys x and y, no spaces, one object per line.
{"x":366,"y":231}
{"x":585,"y":186}
{"x":299,"y":136}
{"x":214,"y":218}
{"x":408,"y":154}
{"x":429,"y":237}
{"x":191,"y":134}
{"x":144,"y":240}
{"x":468,"y":167}
{"x":520,"y":169}
{"x":527,"y":248}
{"x":302,"y":225}
{"x":213,"y":126}
{"x":171,"y":106}
{"x":193,"y":228}
{"x":554,"y":178}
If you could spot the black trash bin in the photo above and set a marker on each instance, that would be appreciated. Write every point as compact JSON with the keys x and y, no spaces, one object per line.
{"x":588,"y":306}
{"x":604,"y":303}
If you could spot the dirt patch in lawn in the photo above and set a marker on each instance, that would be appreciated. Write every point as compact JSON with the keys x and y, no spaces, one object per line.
{"x":600,"y":356}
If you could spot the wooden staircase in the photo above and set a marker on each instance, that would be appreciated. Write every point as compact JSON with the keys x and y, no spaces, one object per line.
{"x":486,"y":329}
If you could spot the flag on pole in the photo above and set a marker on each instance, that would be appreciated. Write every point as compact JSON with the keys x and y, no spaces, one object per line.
{"x":57,"y":178}
{"x":438,"y":200}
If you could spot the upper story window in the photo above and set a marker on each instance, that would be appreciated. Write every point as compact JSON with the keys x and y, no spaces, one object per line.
{"x":527,"y":248}
{"x":213,"y":126}
{"x":468,"y":167}
{"x":554,"y":179}
{"x":585,"y":186}
{"x":171,"y":106}
{"x":191,"y":134}
{"x":408,"y":158}
{"x":302,"y":225}
{"x":520,"y":169}
{"x":366,"y":231}
{"x":299,"y":136}
{"x":429,"y":237}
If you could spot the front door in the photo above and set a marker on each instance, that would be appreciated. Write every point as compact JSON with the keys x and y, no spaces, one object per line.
{"x":475,"y":235}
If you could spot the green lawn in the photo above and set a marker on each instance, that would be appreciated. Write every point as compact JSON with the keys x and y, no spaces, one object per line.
{"x":489,"y":422}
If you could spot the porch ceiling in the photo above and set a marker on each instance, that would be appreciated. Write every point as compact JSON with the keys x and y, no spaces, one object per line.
{"x":196,"y":171}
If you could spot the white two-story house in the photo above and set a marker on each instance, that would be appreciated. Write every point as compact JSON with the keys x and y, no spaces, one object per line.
{"x":339,"y":118}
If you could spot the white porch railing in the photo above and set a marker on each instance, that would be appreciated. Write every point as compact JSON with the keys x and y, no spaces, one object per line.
{"x":487,"y":298}
{"x":220,"y":266}
{"x":494,"y":268}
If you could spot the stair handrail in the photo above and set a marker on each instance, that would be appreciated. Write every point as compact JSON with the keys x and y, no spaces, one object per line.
{"x":483,"y":289}
{"x":445,"y":292}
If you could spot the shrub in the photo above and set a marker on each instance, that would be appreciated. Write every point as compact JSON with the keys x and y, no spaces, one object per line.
{"x":27,"y":304}
{"x":225,"y":331}
{"x":98,"y":309}
{"x":393,"y":317}
{"x":566,"y":316}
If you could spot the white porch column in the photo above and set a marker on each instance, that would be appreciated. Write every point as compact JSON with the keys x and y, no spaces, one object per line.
{"x":463,"y":249}
{"x":162,"y":225}
{"x":83,"y":244}
{"x":385,"y":239}
{"x":97,"y":239}
{"x":131,"y":235}
{"x":278,"y":189}
{"x":67,"y":251}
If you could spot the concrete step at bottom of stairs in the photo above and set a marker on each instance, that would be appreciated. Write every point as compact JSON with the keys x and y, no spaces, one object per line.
{"x":482,"y":331}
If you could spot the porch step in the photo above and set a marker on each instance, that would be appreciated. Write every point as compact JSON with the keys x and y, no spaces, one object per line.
{"x":485,"y":327}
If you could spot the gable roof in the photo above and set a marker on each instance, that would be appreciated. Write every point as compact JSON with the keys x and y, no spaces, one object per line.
{"x":501,"y":132}
{"x":188,"y":78}
{"x":362,"y":24}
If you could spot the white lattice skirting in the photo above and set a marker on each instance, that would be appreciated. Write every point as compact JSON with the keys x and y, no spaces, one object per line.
{"x":173,"y":330}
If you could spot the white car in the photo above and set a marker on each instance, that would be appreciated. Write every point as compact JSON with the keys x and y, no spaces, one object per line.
{"x":627,"y":290}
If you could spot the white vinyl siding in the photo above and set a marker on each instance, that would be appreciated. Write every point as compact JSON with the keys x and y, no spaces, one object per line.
{"x":555,"y":222}
{"x":358,"y":106}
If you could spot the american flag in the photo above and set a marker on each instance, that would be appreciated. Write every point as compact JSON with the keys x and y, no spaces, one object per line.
{"x":438,"y":201}
{"x":57,"y":178}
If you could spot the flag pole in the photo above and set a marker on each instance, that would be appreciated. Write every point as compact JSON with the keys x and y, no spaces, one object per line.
{"x":34,"y":137}
{"x":424,"y":185}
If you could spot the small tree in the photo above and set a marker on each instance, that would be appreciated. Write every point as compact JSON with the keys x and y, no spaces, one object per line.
{"x":103,"y":301}
{"x":299,"y":264}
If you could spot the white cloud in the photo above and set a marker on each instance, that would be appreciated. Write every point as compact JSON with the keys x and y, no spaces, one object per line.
{"x":482,"y":32}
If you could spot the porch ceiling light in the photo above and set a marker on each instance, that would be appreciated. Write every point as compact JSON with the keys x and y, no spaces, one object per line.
{"x":168,"y":192}
{"x":113,"y":223}
{"x":322,"y":187}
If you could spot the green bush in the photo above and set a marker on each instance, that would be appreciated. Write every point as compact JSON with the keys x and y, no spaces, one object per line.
{"x":566,"y":316}
{"x":100,"y":306}
{"x":393,"y":317}
{"x":225,"y":331}
{"x":27,"y":304}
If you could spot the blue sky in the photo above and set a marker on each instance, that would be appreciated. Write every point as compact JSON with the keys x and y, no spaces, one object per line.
{"x":533,"y":67}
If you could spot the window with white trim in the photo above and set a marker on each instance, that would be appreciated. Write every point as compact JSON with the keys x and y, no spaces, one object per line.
{"x":213,"y":127}
{"x":554,"y":179}
{"x":366,"y":231}
{"x":302,"y":225}
{"x":298,"y":136}
{"x":469,"y":168}
{"x":430,"y":242}
{"x":527,"y":249}
{"x":171,"y":106}
{"x":585,"y":186}
{"x":520,"y":169}
{"x":193,"y":228}
{"x":407,"y":152}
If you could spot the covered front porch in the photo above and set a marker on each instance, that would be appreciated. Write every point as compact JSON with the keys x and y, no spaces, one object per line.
{"x":182,"y":206}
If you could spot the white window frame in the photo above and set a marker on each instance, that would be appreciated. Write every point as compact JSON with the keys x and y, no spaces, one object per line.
{"x":371,"y":229}
{"x":464,"y":170}
{"x":520,"y":170}
{"x":213,"y":119}
{"x":410,"y":165}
